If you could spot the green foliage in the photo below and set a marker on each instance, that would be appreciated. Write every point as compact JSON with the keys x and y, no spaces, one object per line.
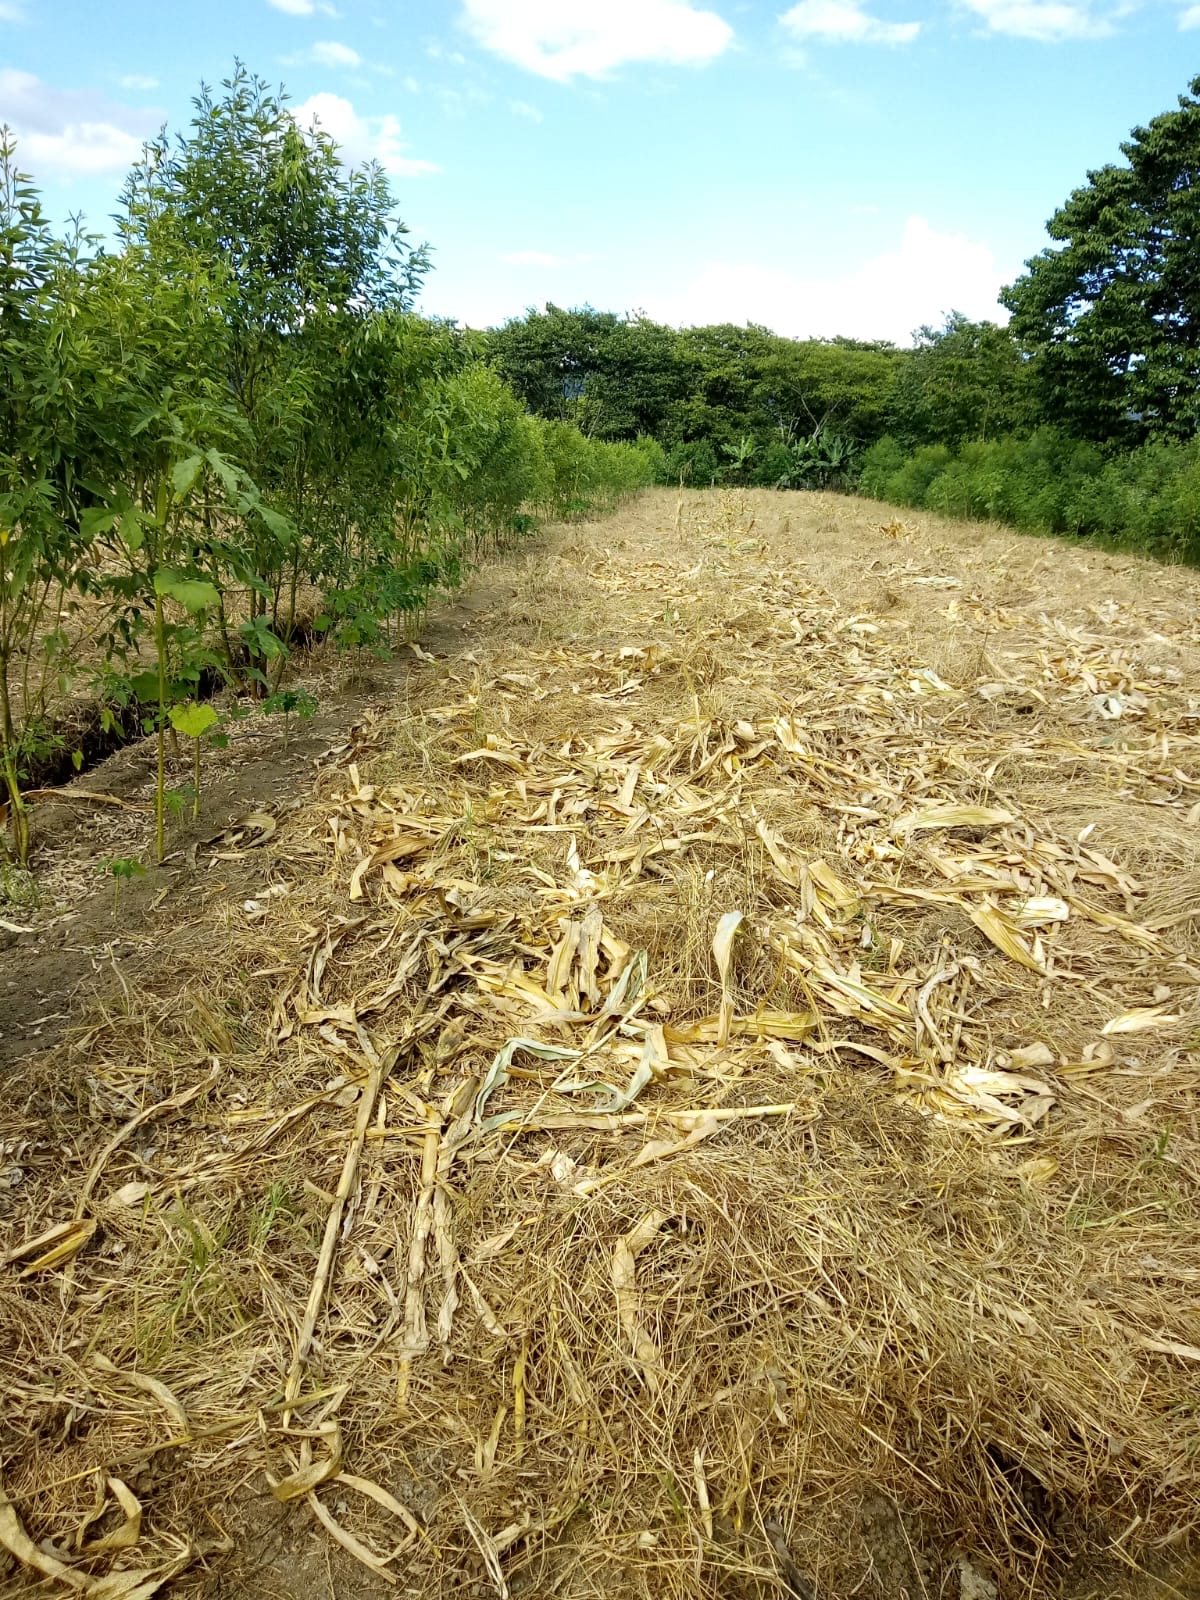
{"x":43,"y":356}
{"x":235,"y":404}
{"x":965,"y":380}
{"x":694,"y":463}
{"x":823,"y":460}
{"x":1103,"y":348}
{"x":1111,"y":315}
{"x":121,"y":869}
{"x":879,"y":465}
{"x":289,"y":703}
{"x":613,"y":377}
{"x":1146,"y":499}
{"x":718,"y":399}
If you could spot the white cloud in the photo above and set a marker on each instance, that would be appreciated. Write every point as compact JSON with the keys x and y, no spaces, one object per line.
{"x":541,"y":258}
{"x":563,"y":39}
{"x":844,"y":22}
{"x":137,"y":80}
{"x":1190,"y":18}
{"x":70,"y":131}
{"x":305,"y":8}
{"x":1048,"y":21}
{"x":11,"y":12}
{"x":522,"y":108}
{"x":362,"y":138}
{"x":457,"y":102}
{"x":329,"y":53}
{"x":919,"y":280}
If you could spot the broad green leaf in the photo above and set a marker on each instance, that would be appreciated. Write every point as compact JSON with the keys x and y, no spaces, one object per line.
{"x":259,"y":639}
{"x":225,"y":470}
{"x":144,"y":687}
{"x":194,"y":594}
{"x":130,"y":528}
{"x":282,"y":527}
{"x":96,"y":520}
{"x":185,"y":473}
{"x":193,"y":720}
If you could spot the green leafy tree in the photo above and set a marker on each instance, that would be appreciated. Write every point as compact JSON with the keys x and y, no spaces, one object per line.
{"x":1112,"y":311}
{"x":238,"y":402}
{"x":965,"y":380}
{"x":304,"y":252}
{"x":614,"y":377}
{"x":43,"y":360}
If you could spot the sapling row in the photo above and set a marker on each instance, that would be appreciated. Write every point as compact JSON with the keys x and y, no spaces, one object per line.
{"x":233,"y":415}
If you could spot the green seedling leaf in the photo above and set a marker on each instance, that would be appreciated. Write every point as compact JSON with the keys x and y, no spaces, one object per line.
{"x":193,"y":720}
{"x":193,"y":594}
{"x":178,"y":800}
{"x":123,"y":868}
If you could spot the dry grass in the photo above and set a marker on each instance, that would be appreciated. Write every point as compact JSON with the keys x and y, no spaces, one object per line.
{"x":808,"y":1262}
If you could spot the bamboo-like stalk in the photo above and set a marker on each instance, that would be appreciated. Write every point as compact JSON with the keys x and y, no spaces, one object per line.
{"x":378,"y":1070}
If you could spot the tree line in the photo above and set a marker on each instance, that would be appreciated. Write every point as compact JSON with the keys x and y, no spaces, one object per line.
{"x":228,"y":425}
{"x":744,"y":404}
{"x":1080,"y":415}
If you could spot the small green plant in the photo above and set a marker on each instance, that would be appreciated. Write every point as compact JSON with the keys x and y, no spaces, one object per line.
{"x":194,"y":720}
{"x":277,"y":1204}
{"x":289,"y":703}
{"x":203,"y":1296}
{"x":176,"y":801}
{"x":121,"y":869}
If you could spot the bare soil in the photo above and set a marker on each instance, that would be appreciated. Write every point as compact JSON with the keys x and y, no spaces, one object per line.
{"x":686,"y":1085}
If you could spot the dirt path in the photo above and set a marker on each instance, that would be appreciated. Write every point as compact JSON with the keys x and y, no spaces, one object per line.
{"x":695,"y":1096}
{"x":64,"y":936}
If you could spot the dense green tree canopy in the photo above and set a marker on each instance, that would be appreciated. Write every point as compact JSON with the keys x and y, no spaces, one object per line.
{"x":712,"y":395}
{"x":965,"y":380}
{"x":614,"y":377}
{"x":1112,"y":315}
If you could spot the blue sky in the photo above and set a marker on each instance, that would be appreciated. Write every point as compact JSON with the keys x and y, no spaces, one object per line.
{"x":828,"y":166}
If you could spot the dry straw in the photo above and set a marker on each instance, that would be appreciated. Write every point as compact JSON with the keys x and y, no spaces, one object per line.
{"x":707,"y":1107}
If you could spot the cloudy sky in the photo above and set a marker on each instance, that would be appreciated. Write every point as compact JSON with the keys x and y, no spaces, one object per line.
{"x":832,"y":166}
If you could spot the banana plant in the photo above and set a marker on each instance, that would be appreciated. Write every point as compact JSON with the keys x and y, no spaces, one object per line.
{"x":823,"y":460}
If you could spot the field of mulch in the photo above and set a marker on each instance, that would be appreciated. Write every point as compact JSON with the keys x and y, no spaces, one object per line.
{"x":696,"y":1099}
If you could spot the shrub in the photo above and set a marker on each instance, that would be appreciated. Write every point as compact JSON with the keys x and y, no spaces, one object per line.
{"x":1145,"y":499}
